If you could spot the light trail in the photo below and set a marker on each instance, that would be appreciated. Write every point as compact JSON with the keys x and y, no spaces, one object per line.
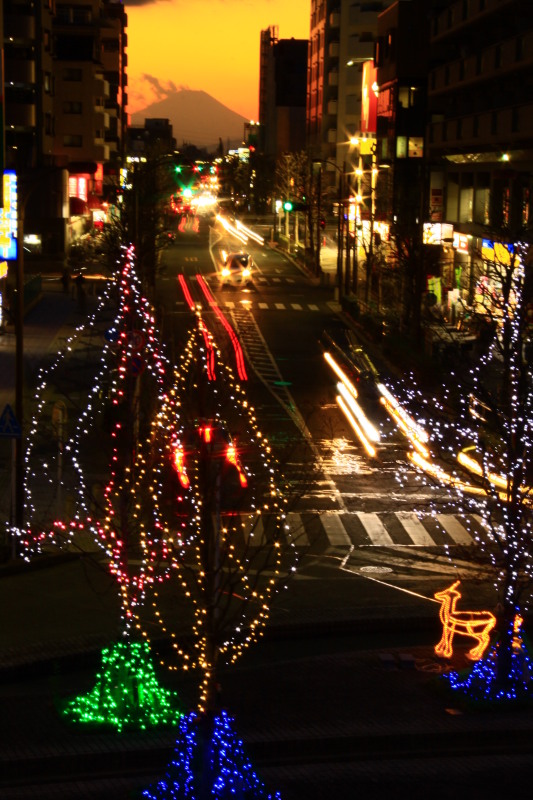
{"x":186,"y":292}
{"x":370,"y":449}
{"x":239,"y":355}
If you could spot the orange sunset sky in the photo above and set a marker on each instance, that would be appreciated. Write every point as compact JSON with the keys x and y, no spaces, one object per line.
{"x":208,"y":45}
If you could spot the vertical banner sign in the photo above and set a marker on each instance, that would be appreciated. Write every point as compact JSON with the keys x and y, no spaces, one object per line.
{"x":369,"y":98}
{"x":2,"y":116}
{"x":8,"y":218}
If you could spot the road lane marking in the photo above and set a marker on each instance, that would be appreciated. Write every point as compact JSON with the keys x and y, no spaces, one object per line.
{"x":374,"y":528}
{"x":414,"y":528}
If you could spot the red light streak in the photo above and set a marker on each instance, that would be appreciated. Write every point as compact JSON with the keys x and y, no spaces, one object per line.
{"x":186,"y":293}
{"x":239,"y":355}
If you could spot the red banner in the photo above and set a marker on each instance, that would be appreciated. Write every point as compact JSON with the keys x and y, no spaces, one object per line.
{"x":369,"y":98}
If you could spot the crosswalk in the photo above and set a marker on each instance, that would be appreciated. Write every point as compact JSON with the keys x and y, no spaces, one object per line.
{"x":342,"y":529}
{"x":232,"y":305}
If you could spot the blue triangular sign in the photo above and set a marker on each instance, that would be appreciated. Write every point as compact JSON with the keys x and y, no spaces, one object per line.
{"x":9,"y":426}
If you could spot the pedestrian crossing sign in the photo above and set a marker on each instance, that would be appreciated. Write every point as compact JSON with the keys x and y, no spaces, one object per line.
{"x":9,"y":426}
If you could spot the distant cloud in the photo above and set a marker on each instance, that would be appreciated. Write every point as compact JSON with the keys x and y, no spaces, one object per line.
{"x":148,"y":89}
{"x":160,"y":90}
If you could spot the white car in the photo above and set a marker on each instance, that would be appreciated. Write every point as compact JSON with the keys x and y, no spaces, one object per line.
{"x":237,"y":269}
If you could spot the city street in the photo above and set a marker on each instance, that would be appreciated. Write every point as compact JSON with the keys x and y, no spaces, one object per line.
{"x":341,"y":690}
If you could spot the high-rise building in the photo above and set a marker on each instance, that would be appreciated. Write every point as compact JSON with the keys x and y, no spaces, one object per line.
{"x":282,"y":94}
{"x":342,"y":38}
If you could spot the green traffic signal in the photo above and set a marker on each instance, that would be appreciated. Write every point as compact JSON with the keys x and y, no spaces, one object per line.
{"x":287,"y":205}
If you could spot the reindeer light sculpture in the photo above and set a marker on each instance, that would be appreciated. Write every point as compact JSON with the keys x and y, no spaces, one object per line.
{"x":477,"y":624}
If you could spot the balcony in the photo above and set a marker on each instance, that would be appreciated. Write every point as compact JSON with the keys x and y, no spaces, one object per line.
{"x":21,"y":71}
{"x":20,"y":115}
{"x":19,"y":26}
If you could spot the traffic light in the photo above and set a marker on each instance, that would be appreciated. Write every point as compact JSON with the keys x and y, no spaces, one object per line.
{"x":287,"y":205}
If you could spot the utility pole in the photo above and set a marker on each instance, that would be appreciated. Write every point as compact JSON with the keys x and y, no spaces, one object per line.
{"x":340,"y":229}
{"x":318,"y":211}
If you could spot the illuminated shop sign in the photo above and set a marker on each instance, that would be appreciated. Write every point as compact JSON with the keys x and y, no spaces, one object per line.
{"x":499,"y":252}
{"x":460,"y":242}
{"x":8,"y":218}
{"x":77,"y":187}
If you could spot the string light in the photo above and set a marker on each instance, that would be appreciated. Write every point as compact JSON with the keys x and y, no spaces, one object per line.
{"x":230,"y":772}
{"x":126,"y":693}
{"x":482,"y":457}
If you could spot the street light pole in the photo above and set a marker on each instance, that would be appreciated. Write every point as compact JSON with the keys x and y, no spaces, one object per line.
{"x":19,"y":366}
{"x":318,"y":211}
{"x":340,"y":229}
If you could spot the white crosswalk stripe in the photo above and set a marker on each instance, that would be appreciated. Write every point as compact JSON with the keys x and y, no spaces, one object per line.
{"x":454,"y":529}
{"x":335,"y":530}
{"x":375,"y":529}
{"x":415,"y":529}
{"x":362,"y":529}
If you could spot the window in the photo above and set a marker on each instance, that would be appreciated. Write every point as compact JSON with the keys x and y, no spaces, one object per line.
{"x":482,"y":199}
{"x":74,"y":15}
{"x":110,"y":45}
{"x":526,"y":202}
{"x":506,"y":205}
{"x":72,"y":140}
{"x":72,"y":107}
{"x":47,"y":82}
{"x":452,"y":194}
{"x":72,"y":74}
{"x":407,"y":96}
{"x":401,"y":147}
{"x":466,"y":199}
{"x":415,"y":147}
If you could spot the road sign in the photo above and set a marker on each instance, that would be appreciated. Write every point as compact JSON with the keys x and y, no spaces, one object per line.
{"x":136,"y":340}
{"x":136,"y":365}
{"x":9,"y":426}
{"x":111,"y":335}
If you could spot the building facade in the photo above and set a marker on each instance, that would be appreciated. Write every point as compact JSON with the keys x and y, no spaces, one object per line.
{"x":342,"y":38}
{"x":282,"y":94}
{"x":480,"y":130}
{"x":65,"y":111}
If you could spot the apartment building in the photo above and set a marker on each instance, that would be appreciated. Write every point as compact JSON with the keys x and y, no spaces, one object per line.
{"x":65,"y":110}
{"x":342,"y":38}
{"x":480,"y":122}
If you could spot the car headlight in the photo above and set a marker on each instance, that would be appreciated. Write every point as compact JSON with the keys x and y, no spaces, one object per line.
{"x":225,"y":272}
{"x":246,"y":272}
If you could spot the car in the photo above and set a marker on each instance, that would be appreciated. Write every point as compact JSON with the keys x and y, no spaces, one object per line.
{"x":236,"y":269}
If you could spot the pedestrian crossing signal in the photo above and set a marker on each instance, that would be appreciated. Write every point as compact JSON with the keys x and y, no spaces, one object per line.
{"x":9,"y":426}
